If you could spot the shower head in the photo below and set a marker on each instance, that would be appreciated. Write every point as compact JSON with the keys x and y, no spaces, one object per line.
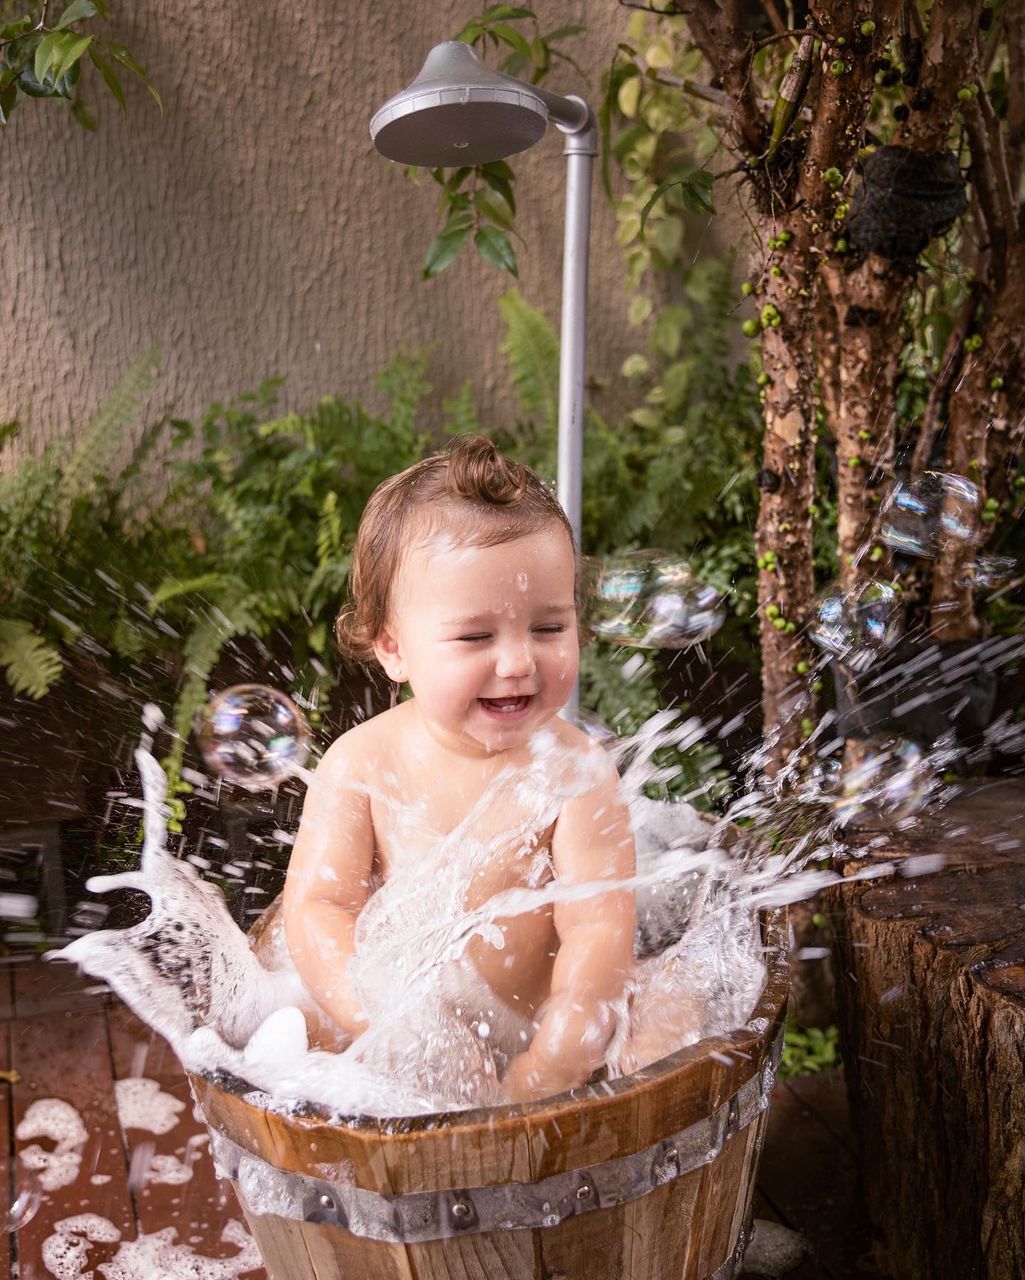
{"x":458,"y":111}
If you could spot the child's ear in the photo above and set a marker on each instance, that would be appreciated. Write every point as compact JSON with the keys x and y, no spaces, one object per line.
{"x":386,"y":651}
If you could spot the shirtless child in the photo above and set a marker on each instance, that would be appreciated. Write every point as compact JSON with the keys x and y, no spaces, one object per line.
{"x":463,"y":585}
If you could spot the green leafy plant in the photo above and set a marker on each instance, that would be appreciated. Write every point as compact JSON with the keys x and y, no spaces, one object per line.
{"x":272,"y":506}
{"x":42,"y":57}
{"x":809,"y":1050}
{"x":477,"y":203}
{"x":72,"y":543}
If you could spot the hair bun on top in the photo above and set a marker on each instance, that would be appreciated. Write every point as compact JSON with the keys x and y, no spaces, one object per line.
{"x":476,"y":470}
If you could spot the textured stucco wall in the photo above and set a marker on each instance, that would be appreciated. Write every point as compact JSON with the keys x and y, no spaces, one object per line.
{"x":253,"y":230}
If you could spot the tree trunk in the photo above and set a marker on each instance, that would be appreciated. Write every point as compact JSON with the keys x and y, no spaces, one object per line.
{"x":982,"y":443}
{"x":869,"y":303}
{"x":932,"y":1000}
{"x":783,"y":534}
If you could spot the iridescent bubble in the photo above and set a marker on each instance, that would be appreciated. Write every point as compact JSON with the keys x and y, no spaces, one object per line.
{"x":25,"y":1204}
{"x":890,"y":784}
{"x":822,"y":780}
{"x":651,"y":601}
{"x":253,"y":735}
{"x":988,"y":571}
{"x":922,"y":515}
{"x":856,"y":627}
{"x":594,"y":726}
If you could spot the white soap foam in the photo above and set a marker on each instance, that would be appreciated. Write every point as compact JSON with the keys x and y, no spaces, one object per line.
{"x":59,"y":1122}
{"x":142,"y":1104}
{"x":66,"y":1253}
{"x":168,"y":1169}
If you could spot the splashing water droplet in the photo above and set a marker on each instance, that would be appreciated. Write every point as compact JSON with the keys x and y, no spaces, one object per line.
{"x":26,"y":1203}
{"x":253,"y":735}
{"x":856,"y":627}
{"x":648,"y":600}
{"x":889,"y":784}
{"x":922,"y":515}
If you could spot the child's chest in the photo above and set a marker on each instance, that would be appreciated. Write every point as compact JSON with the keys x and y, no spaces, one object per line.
{"x":477,"y":821}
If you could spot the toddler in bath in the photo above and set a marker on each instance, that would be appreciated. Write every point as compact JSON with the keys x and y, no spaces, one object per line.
{"x":463,"y":585}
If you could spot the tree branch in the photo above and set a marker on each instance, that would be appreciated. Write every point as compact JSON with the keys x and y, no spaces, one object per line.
{"x":841,"y":111}
{"x":789,"y":34}
{"x":1014,"y":27}
{"x":716,"y":97}
{"x":990,"y":182}
{"x":951,"y":364}
{"x":950,"y":61}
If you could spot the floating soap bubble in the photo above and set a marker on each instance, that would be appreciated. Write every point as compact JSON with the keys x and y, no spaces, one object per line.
{"x":595,"y":728}
{"x":648,"y":600}
{"x":922,"y":515}
{"x":822,"y":780}
{"x":25,"y":1204}
{"x":856,"y":627}
{"x":888,"y":785}
{"x":253,"y":735}
{"x":988,"y":571}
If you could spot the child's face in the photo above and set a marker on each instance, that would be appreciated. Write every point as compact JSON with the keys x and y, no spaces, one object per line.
{"x":486,"y":636}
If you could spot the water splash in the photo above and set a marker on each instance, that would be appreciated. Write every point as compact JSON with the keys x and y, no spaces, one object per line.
{"x":434,"y":1043}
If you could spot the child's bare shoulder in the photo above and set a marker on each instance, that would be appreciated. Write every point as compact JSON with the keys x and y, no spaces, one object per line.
{"x":360,"y":754}
{"x":584,"y":751}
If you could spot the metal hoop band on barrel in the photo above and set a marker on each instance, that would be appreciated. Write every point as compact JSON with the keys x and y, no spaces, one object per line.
{"x":423,"y":1216}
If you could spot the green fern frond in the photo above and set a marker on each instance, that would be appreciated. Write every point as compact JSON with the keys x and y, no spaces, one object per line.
{"x":8,"y":432}
{"x":206,"y":584}
{"x":96,"y":450}
{"x":532,"y":351}
{"x":326,"y":586}
{"x":32,"y":665}
{"x":624,"y":697}
{"x":405,"y":383}
{"x":130,"y":497}
{"x":127,"y":638}
{"x":212,"y":630}
{"x":329,"y":530}
{"x":461,"y":414}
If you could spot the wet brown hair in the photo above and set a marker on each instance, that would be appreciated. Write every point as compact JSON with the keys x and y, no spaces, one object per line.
{"x":489,"y":498}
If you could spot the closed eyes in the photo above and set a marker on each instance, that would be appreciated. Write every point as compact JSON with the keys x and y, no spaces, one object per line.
{"x":555,"y":628}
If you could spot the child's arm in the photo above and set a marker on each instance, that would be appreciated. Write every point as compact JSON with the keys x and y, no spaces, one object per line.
{"x":328,"y":883}
{"x":592,"y":841}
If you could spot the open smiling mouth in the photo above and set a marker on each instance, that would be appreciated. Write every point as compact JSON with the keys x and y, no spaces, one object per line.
{"x":506,"y":707}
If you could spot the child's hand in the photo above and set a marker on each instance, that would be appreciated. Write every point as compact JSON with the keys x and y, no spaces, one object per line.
{"x":526,"y":1081}
{"x":662,"y":1027}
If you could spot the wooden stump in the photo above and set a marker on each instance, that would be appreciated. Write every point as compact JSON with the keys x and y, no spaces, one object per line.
{"x":931,"y":992}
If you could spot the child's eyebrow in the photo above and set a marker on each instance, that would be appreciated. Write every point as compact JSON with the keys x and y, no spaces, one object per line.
{"x":478,"y":619}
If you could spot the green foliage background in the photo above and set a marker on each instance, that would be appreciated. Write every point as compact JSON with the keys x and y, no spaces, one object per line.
{"x":250,"y":531}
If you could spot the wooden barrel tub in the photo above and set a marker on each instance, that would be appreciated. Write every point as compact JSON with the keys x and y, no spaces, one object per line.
{"x":645,"y":1178}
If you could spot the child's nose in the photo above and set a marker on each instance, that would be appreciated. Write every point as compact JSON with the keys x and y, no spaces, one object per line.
{"x":515,"y":660}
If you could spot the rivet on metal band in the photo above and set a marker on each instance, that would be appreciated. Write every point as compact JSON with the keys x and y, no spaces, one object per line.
{"x":422,"y":1216}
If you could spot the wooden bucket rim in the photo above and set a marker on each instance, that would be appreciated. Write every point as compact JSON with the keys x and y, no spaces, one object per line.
{"x":769,"y":1009}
